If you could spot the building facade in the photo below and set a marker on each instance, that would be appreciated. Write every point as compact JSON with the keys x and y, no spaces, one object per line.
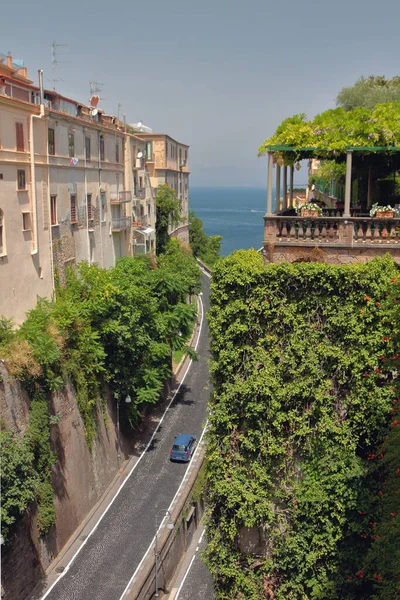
{"x":75,"y":184}
{"x":25,"y":232}
{"x":167,"y":163}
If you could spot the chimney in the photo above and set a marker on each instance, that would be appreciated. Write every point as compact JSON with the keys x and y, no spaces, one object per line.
{"x":9,"y":61}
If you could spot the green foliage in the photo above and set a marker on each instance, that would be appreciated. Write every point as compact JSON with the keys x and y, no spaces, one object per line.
{"x":18,"y":480}
{"x":6,"y":331}
{"x":329,"y":170}
{"x":118,"y":326}
{"x":168,"y":214}
{"x":336,"y":129}
{"x":369,"y":91}
{"x":299,"y":404}
{"x":206,"y":248}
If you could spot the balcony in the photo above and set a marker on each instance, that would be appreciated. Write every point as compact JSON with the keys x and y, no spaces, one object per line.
{"x":120,"y":197}
{"x":140,"y":193}
{"x":120,"y":223}
{"x":350,"y":239}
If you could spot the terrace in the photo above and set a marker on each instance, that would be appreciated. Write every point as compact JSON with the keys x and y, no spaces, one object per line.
{"x":356,"y":176}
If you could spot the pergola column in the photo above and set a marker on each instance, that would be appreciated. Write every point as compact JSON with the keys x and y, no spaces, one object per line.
{"x":278,"y":188}
{"x":347,"y":195}
{"x":284,"y":205}
{"x":269,"y":185}
{"x":291,"y":186}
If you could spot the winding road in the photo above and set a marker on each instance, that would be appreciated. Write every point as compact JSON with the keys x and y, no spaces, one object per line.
{"x":104,"y":566}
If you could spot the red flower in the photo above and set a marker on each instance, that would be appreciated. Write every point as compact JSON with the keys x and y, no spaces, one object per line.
{"x":366,"y":375}
{"x":367,"y":298}
{"x":371,"y":456}
{"x":377,"y":577}
{"x":372,"y":524}
{"x":377,"y":303}
{"x":395,"y":357}
{"x":360,"y":574}
{"x":397,"y":471}
{"x":394,"y":423}
{"x":393,"y":514}
{"x":385,"y":338}
{"x":380,"y":494}
{"x":361,"y":512}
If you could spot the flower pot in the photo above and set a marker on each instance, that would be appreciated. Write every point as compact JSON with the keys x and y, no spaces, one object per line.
{"x":380,"y":214}
{"x":306,"y":212}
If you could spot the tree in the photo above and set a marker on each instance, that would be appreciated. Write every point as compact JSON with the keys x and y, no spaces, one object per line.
{"x":369,"y":91}
{"x":205,"y":247}
{"x":197,"y":237}
{"x":168,"y":212}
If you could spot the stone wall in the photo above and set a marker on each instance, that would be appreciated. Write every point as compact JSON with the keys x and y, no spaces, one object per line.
{"x":339,"y":255}
{"x":80,"y":477}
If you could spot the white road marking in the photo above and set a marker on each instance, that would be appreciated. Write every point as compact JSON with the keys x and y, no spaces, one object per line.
{"x":151,"y":546}
{"x":184,"y":578}
{"x":130,"y":473}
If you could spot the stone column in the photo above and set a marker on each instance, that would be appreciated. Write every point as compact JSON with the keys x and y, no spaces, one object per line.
{"x":278,"y":189}
{"x":284,"y":205}
{"x":269,"y":185}
{"x":291,"y":186}
{"x":347,"y":194}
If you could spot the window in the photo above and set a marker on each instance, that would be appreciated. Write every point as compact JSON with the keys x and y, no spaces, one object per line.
{"x":73,"y":209}
{"x":102,"y":206}
{"x":71,"y":145}
{"x":149,"y":209}
{"x":21,"y":182}
{"x":180,"y":156}
{"x":185,"y":157}
{"x":89,"y":206}
{"x":19,"y":130}
{"x":51,"y":141}
{"x":87,"y":148}
{"x":53,"y":209}
{"x":141,"y":183}
{"x":2,"y":241}
{"x":117,"y":153}
{"x":26,"y":221}
{"x":149,"y":150}
{"x":102,"y":154}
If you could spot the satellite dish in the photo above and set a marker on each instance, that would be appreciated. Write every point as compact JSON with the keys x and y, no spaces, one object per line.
{"x":94,"y":112}
{"x":94,"y":100}
{"x":140,"y":154}
{"x":139,"y":124}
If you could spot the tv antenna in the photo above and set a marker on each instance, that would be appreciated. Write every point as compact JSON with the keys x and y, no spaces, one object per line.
{"x":95,"y":88}
{"x":54,"y":61}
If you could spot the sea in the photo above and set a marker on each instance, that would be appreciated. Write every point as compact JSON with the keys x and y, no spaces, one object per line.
{"x":235,"y":213}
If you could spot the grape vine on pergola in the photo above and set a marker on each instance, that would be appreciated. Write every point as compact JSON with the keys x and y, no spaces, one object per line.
{"x":337,"y":135}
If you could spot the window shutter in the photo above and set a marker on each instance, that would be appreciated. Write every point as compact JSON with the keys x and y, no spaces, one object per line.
{"x":20,"y":136}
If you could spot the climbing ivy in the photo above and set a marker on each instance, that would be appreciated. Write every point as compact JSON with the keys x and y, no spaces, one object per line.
{"x":300,"y":404}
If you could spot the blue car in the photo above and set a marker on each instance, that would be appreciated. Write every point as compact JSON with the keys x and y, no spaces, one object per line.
{"x":183,"y":447}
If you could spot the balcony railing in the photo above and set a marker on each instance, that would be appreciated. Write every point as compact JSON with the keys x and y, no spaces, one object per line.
{"x":329,"y":231}
{"x":121,"y":223}
{"x":140,"y":193}
{"x":120,"y":197}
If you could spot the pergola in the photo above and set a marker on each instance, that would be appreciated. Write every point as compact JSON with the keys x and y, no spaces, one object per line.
{"x":288,"y":152}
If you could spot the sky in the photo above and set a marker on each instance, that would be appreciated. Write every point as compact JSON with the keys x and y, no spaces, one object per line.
{"x":219,"y":75}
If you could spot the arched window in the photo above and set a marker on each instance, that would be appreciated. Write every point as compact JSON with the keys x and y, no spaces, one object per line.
{"x":2,"y":236}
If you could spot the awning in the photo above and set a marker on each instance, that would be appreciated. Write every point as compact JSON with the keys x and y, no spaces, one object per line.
{"x":146,"y":231}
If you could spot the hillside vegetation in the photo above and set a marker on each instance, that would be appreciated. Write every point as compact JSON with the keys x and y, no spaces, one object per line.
{"x":303,"y":458}
{"x":116,"y":328}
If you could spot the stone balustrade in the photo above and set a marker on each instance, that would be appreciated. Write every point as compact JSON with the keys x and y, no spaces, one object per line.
{"x":350,"y":237}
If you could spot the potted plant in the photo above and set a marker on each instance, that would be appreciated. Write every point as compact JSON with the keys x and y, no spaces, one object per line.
{"x":310,"y":209}
{"x":382,"y":212}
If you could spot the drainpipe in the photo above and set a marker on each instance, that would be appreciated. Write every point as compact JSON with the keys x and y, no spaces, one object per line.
{"x":33,"y":170}
{"x":86,"y":202}
{"x":101,"y":221}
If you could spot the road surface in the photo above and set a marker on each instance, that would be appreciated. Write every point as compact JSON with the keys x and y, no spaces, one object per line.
{"x":105,"y":565}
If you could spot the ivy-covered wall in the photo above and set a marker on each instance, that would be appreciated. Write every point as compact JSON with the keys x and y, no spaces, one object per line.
{"x":302,"y":366}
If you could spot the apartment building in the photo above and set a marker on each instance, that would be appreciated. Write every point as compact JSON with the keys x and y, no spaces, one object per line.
{"x":167,"y":163}
{"x":75,"y":184}
{"x":25,"y":229}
